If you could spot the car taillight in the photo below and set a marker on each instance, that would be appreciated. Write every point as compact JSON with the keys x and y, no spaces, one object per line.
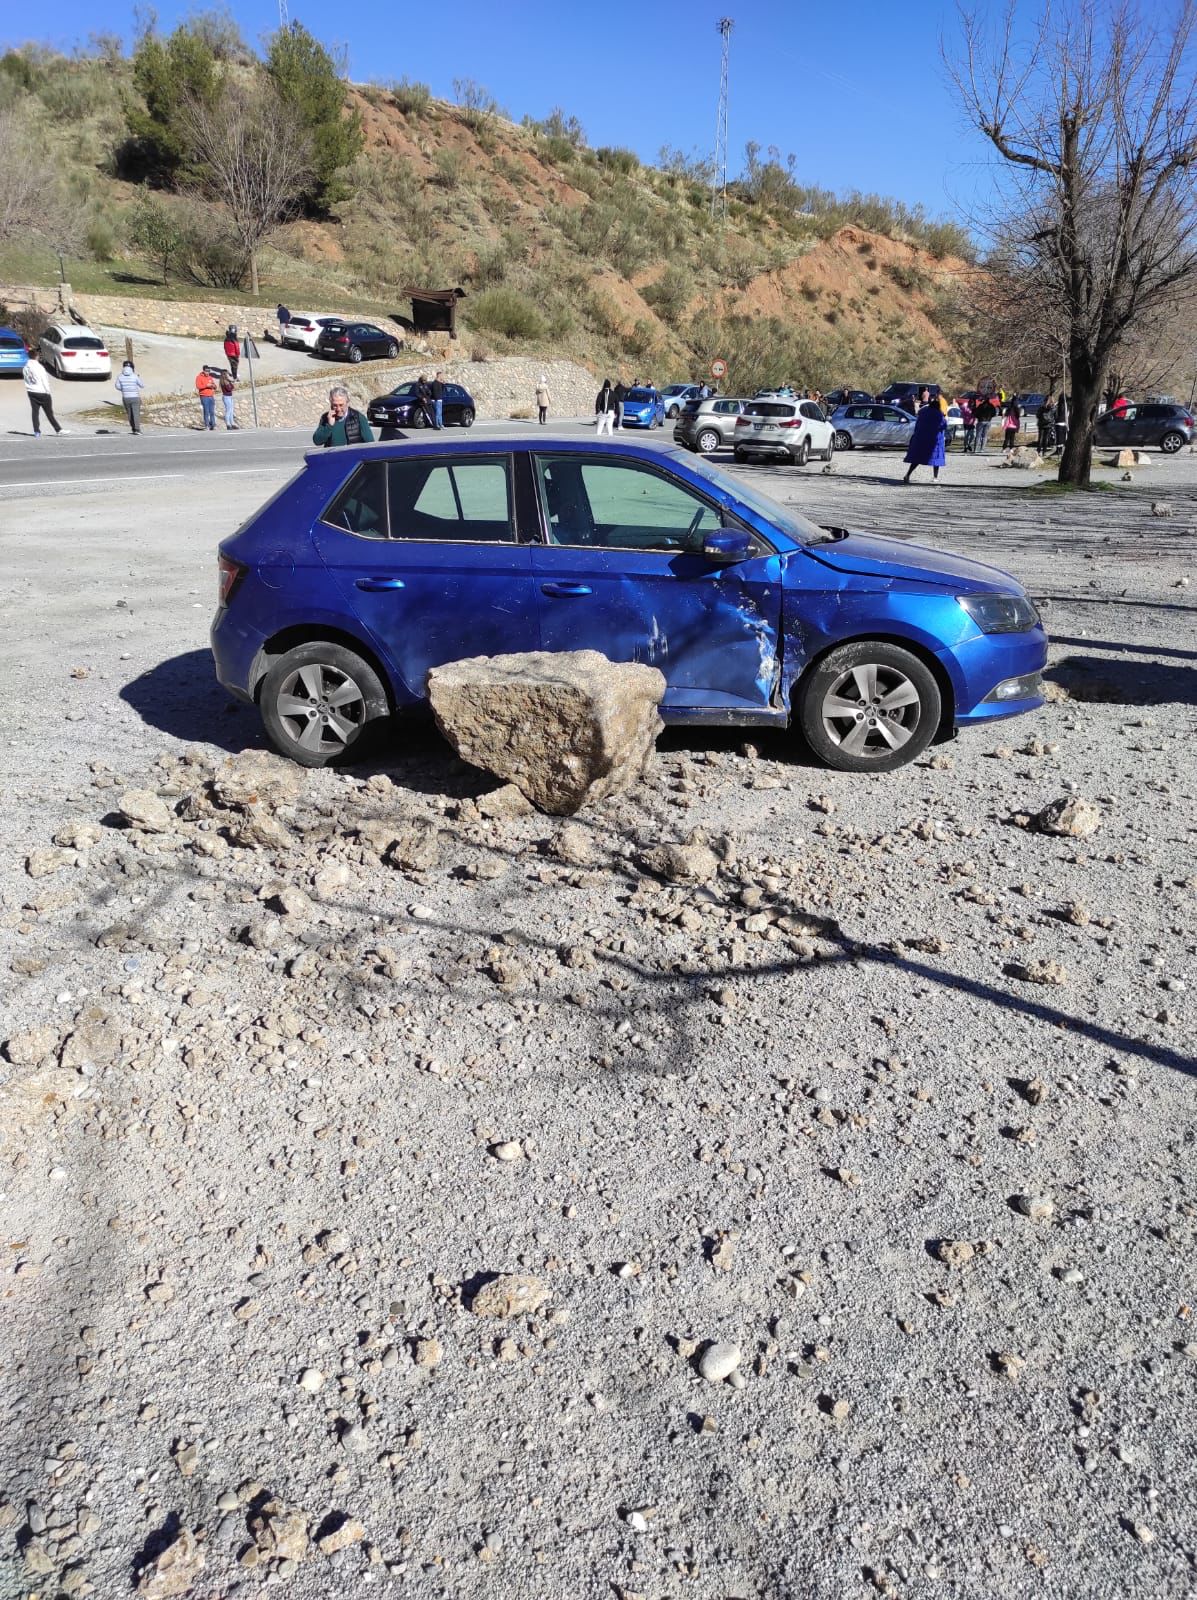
{"x":790,"y":422}
{"x":101,"y":352}
{"x":741,"y":422}
{"x":70,"y":354}
{"x":230,"y":575}
{"x":1187,"y":421}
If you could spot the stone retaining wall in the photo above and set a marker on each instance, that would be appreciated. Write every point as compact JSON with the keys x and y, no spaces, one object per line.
{"x":501,"y":388}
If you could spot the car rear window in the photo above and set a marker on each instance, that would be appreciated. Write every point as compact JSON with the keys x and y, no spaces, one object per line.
{"x":81,"y":341}
{"x":770,"y":408}
{"x":11,"y":341}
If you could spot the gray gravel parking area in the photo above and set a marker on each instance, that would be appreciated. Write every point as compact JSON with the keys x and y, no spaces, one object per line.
{"x":405,"y":1192}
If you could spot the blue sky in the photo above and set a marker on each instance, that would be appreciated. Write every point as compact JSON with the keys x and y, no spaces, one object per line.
{"x":855,"y":88}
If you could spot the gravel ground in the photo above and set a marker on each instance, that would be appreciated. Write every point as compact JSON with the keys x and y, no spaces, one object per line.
{"x":895,"y":1100}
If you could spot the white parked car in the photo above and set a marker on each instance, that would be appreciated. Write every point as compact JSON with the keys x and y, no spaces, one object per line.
{"x":303,"y":330}
{"x":70,"y":350}
{"x":796,"y":429}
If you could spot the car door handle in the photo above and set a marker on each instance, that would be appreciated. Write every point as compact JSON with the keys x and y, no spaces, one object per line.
{"x":564,"y":591}
{"x":375,"y":584}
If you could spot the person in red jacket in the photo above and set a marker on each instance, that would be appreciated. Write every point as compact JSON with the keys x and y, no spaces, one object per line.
{"x":232,"y":350}
{"x":205,"y":387}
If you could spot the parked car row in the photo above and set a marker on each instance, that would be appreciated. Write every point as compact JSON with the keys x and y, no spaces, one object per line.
{"x":339,"y":338}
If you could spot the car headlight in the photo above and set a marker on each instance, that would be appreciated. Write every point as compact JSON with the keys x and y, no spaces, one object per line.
{"x":1000,"y":613}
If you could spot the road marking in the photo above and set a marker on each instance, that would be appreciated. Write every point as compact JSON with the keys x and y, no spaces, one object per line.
{"x":140,"y":477}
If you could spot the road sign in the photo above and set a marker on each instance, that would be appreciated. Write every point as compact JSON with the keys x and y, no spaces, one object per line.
{"x":719,"y":368}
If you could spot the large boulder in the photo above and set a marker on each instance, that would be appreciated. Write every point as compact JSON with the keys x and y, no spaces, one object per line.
{"x":565,"y":728}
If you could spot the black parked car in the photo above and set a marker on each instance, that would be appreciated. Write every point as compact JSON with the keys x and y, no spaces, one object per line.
{"x":354,"y":341}
{"x":400,"y":408}
{"x":845,"y":397}
{"x":1168,"y":426}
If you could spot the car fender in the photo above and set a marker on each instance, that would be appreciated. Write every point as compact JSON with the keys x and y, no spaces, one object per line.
{"x":315,"y":623}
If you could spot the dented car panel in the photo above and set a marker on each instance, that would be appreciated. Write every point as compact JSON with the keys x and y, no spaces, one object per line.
{"x":424,"y":552}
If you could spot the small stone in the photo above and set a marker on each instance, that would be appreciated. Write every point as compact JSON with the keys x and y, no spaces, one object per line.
{"x":839,"y":1410}
{"x":513,"y":1294}
{"x":341,"y":1535}
{"x":681,"y":863}
{"x":354,"y":1438}
{"x":955,"y":1252}
{"x":311,"y":1379}
{"x":144,"y":810}
{"x":507,"y":1150}
{"x":1036,"y":1206}
{"x":1007,"y":1365}
{"x":174,"y":1570}
{"x":637,"y":1521}
{"x":27,"y":1049}
{"x":428,"y":1353}
{"x":719,"y":1360}
{"x":48,"y":860}
{"x":1049,"y":973}
{"x":186,"y":1458}
{"x":1069,"y":816}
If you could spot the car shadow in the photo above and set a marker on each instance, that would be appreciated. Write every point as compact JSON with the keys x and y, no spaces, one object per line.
{"x":182,"y":697}
{"x":1102,"y":680}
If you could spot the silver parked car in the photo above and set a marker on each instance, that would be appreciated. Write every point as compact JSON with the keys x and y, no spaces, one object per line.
{"x":704,"y":425}
{"x":877,"y":426}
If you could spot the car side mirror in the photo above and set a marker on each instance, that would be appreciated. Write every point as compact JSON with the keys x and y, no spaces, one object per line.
{"x":727,"y":546}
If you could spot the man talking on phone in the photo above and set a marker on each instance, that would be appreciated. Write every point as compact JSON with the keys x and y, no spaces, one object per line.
{"x":341,"y":424}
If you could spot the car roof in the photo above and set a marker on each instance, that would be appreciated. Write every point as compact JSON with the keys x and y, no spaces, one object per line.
{"x":509,"y":439}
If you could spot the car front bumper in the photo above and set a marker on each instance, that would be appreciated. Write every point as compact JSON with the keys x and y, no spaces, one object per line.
{"x":998,"y":675}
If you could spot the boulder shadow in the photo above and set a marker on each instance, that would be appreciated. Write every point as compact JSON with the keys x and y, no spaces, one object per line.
{"x":1106,"y":680}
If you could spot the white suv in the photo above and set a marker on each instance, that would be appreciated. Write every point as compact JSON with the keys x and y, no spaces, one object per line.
{"x":774,"y":428}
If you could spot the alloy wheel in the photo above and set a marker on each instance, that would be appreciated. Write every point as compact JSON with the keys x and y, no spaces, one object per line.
{"x":708,"y":440}
{"x":321,"y":708}
{"x":871,"y":710}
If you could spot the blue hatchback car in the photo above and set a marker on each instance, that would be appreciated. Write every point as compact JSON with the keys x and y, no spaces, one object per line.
{"x":643,"y":408}
{"x":13,"y":354}
{"x":377,"y":562}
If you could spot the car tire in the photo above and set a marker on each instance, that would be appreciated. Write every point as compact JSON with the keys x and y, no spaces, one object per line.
{"x":296,"y":679}
{"x":1172,"y":442}
{"x":740,"y":456}
{"x":708,"y":441}
{"x":672,"y":412}
{"x":843,"y":441}
{"x":355,"y":354}
{"x":418,"y":419}
{"x":467,"y":417}
{"x":840,"y":721}
{"x":803,"y":455}
{"x":392,"y":350}
{"x":830,"y":450}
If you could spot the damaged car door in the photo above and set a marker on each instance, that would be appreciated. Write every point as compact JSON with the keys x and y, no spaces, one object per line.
{"x":643,"y":567}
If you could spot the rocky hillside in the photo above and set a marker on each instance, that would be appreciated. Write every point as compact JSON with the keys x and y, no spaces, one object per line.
{"x":585,"y":254}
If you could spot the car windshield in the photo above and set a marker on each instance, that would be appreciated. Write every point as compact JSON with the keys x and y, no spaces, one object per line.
{"x":791,"y":522}
{"x":404,"y":389}
{"x":639,"y":395}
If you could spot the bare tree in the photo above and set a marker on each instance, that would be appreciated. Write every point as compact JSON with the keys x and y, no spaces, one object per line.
{"x":33,"y":202}
{"x":1095,"y":119}
{"x":254,"y":158}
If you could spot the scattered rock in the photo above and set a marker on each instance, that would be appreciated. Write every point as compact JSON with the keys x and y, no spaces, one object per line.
{"x":428,"y":1353}
{"x":719,"y":1360}
{"x":174,"y":1570}
{"x":343,"y":1532}
{"x":507,"y":1150}
{"x":28,"y":1049}
{"x":143,"y":809}
{"x":1049,"y":973}
{"x":1070,"y":817}
{"x":512,"y":1294}
{"x":279,"y":1532}
{"x":681,"y":863}
{"x":48,"y":860}
{"x":311,"y":1379}
{"x":1036,"y":1206}
{"x":568,"y":729}
{"x":955,"y":1252}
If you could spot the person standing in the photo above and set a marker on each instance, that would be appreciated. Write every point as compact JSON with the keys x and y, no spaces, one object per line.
{"x":205,"y":387}
{"x":926,"y":447}
{"x":232,"y":350}
{"x":1061,"y":421}
{"x":284,"y":317}
{"x":1045,"y":425}
{"x":968,"y":417}
{"x":619,"y":394}
{"x":129,"y":386}
{"x":437,"y":390}
{"x":341,"y":424}
{"x":1011,"y":423}
{"x":41,"y":401}
{"x":424,"y":399}
{"x":227,"y":390}
{"x":985,"y":413}
{"x":604,"y":408}
{"x":542,"y":400}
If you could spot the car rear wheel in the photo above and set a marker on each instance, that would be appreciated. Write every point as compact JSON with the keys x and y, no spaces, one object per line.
{"x":467,"y":417}
{"x":830,"y":450}
{"x":708,"y":440}
{"x":803,"y":455}
{"x":1172,"y":442}
{"x":843,"y":441}
{"x":672,"y":412}
{"x":392,"y":350}
{"x":317,"y":701}
{"x":355,"y":354}
{"x":870,"y":707}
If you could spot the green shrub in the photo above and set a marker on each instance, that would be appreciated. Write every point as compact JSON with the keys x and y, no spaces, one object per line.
{"x":100,"y":239}
{"x":450,"y":167}
{"x":671,"y":293}
{"x":505,"y":310}
{"x":618,"y":159}
{"x":476,"y":103}
{"x":410,"y":97}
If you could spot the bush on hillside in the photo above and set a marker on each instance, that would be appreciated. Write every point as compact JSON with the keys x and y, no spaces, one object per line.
{"x":617,"y":158}
{"x":505,"y":310}
{"x":410,"y":97}
{"x":671,"y":294}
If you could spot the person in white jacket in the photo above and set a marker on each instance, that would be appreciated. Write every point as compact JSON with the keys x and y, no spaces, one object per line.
{"x":41,"y":402}
{"x":129,"y":387}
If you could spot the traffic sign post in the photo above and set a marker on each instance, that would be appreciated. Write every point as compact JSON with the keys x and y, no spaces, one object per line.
{"x":249,"y":350}
{"x":719,"y":368}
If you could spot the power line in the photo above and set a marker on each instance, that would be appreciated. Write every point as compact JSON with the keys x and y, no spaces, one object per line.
{"x":719,"y":191}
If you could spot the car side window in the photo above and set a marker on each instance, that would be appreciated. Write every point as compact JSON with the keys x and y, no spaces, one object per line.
{"x":620,"y":505}
{"x":811,"y":411}
{"x":360,"y":506}
{"x":467,"y":500}
{"x":726,"y":406}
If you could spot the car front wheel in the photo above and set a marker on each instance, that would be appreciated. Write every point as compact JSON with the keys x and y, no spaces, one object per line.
{"x":467,"y":417}
{"x":708,"y":440}
{"x":843,"y":441}
{"x":870,"y":707}
{"x":316,"y":702}
{"x":1172,"y":442}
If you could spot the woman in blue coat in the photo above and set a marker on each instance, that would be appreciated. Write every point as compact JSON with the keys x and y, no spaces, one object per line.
{"x":926,"y":447}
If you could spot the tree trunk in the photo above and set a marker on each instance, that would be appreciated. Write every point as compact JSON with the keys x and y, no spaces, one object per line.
{"x":253,"y":272}
{"x":1077,"y":460}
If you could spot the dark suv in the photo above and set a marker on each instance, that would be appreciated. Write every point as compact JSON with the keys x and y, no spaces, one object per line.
{"x":353,"y":341}
{"x":1168,"y":426}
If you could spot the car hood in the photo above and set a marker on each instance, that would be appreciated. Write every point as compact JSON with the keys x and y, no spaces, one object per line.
{"x":873,"y":556}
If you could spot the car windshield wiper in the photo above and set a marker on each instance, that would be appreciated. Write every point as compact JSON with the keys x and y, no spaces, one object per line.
{"x":830,"y":536}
